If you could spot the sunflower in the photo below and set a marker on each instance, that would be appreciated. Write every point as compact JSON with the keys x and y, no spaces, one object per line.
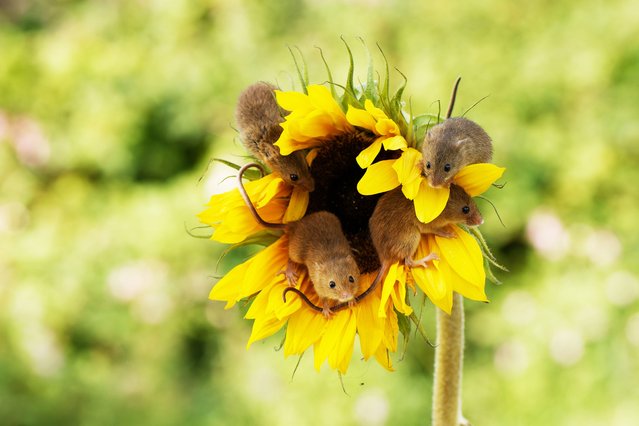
{"x":344,"y":142}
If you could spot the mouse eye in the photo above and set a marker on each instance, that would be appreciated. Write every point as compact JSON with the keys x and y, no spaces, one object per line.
{"x":294,"y":177}
{"x":466,"y":209}
{"x":447,"y":167}
{"x":332,"y":284}
{"x":351,"y":279}
{"x":428,"y":164}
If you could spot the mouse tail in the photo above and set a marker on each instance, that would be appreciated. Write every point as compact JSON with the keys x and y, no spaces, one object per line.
{"x":303,"y":296}
{"x":453,"y":96}
{"x":248,"y":201}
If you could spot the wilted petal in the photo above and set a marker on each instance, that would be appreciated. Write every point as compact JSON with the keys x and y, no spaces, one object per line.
{"x":379,"y":177}
{"x":477,"y":178}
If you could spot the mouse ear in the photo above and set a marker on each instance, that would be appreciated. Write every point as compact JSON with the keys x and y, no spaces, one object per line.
{"x":461,"y":142}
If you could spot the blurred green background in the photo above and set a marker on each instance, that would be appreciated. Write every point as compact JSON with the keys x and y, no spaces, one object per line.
{"x":110,"y":112}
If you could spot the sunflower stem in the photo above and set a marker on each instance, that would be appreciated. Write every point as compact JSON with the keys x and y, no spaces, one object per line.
{"x":449,"y":355}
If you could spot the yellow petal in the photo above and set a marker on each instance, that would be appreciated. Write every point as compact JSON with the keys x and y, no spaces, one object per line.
{"x":463,"y":255}
{"x":322,"y":99}
{"x":410,"y":190}
{"x":395,"y":142}
{"x":377,"y":113}
{"x":430,"y":279}
{"x":340,"y":358}
{"x":387,"y":288}
{"x":304,"y":328}
{"x":228,"y":288}
{"x":386,"y":127}
{"x":379,"y":177}
{"x":368,"y":154}
{"x":337,"y":342}
{"x":265,"y":266}
{"x":399,"y":293}
{"x":370,"y":327}
{"x":311,"y":156}
{"x":408,"y":166}
{"x":382,"y":356}
{"x":430,"y":202}
{"x":392,"y":330}
{"x":292,"y":101}
{"x":477,"y":178}
{"x":461,"y":286}
{"x":276,"y":304}
{"x":360,"y":118}
{"x":316,"y":124}
{"x":263,"y":328}
{"x":297,"y":205}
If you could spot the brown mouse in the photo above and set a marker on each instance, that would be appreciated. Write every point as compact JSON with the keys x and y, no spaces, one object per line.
{"x":317,"y":242}
{"x":396,"y":231}
{"x":258,"y":117}
{"x":452,"y":145}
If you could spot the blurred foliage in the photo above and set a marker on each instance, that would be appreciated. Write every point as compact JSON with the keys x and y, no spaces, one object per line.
{"x":110,"y":112}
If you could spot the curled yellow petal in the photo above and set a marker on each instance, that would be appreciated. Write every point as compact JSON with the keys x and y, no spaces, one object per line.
{"x":297,"y":205}
{"x":463,"y":255}
{"x":360,"y":118}
{"x":430,"y":202}
{"x":377,"y":113}
{"x":379,"y":177}
{"x":408,"y":166}
{"x":386,"y":127}
{"x":368,"y":154}
{"x":395,"y":142}
{"x":477,"y":178}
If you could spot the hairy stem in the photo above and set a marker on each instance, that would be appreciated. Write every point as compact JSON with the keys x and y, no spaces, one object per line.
{"x":448,"y":365}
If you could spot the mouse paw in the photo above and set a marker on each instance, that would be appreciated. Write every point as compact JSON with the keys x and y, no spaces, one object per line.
{"x":351,"y":303}
{"x":421,"y":262}
{"x":291,"y":273}
{"x":326,"y":309}
{"x":445,"y":232}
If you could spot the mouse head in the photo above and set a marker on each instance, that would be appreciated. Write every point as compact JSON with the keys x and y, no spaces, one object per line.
{"x":461,"y":209}
{"x":294,"y":170}
{"x":446,"y":149}
{"x":337,"y":279}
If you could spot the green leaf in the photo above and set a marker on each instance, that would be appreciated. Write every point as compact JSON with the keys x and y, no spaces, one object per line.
{"x":328,"y":71}
{"x":302,"y":73}
{"x":349,"y":92}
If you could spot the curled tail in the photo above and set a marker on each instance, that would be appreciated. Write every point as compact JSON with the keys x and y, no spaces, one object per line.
{"x":380,"y":274}
{"x":248,"y":201}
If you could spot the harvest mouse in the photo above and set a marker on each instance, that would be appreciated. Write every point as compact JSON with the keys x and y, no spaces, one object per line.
{"x":396,"y":231}
{"x":317,"y":242}
{"x":450,"y":146}
{"x":258,"y":117}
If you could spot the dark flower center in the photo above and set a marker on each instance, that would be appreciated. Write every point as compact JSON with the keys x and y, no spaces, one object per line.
{"x":336,"y":174}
